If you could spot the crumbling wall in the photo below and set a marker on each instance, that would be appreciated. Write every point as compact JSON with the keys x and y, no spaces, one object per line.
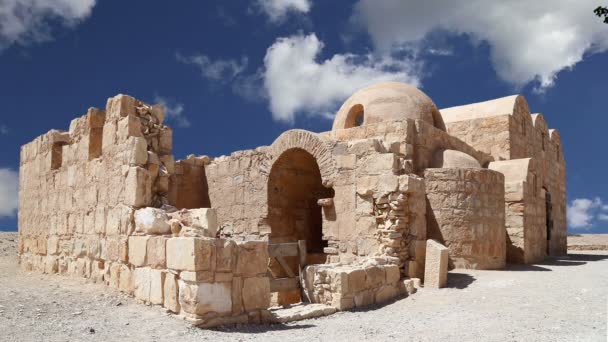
{"x":357,"y":285}
{"x":93,"y":203}
{"x":466,"y":213}
{"x":188,"y":184}
{"x":78,"y":189}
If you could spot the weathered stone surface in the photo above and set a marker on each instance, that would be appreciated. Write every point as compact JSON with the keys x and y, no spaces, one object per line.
{"x":152,"y":221}
{"x":256,"y":293}
{"x":156,"y":252}
{"x":171,"y":293}
{"x":189,"y":253}
{"x":102,"y":200}
{"x":436,"y":266}
{"x":138,"y":247}
{"x":202,"y":298}
{"x":252,"y":258}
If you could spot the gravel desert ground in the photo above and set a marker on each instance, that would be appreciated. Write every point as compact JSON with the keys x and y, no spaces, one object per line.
{"x":563,"y":299}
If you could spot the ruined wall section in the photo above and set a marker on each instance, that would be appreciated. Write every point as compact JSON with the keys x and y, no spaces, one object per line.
{"x":238,"y":191}
{"x":466,"y":213}
{"x":188,"y":184}
{"x":78,"y":189}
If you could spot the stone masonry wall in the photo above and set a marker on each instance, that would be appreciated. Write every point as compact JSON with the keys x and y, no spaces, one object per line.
{"x":516,"y":134}
{"x":87,"y":209}
{"x":524,"y":207}
{"x":78,"y":189}
{"x":466,"y":213}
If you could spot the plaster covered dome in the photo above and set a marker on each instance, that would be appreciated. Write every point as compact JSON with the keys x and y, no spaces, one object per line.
{"x":388,"y":101}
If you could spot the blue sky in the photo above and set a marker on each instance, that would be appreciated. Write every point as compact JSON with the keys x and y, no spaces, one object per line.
{"x":235,"y":74}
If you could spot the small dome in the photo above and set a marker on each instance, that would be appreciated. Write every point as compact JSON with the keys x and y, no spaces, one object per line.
{"x":388,"y":101}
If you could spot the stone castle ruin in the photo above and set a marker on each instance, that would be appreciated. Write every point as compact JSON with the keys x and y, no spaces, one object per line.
{"x":347,"y":218}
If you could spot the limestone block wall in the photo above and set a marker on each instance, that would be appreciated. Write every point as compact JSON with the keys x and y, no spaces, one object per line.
{"x":188,"y":184}
{"x":466,"y":214}
{"x":524,"y":209}
{"x":238,"y":191}
{"x":78,"y":189}
{"x":506,"y":129}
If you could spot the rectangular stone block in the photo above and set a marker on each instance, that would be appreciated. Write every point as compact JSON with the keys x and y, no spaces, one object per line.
{"x":129,"y":126}
{"x":141,"y":283}
{"x":436,"y":265}
{"x":137,"y":151}
{"x":125,"y":281}
{"x":252,"y":258}
{"x":138,"y":247}
{"x":202,"y":298}
{"x":225,"y":255}
{"x":138,"y":187}
{"x":157,"y":281}
{"x":189,"y":254}
{"x":53,"y":245}
{"x":171,"y":293}
{"x":120,"y":105}
{"x":156,"y":252}
{"x":256,"y":293}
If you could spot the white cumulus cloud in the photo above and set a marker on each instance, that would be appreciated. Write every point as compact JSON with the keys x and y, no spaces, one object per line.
{"x":9,"y":192}
{"x":582,"y":212}
{"x":174,"y":111}
{"x":529,"y":41}
{"x":28,"y":21}
{"x":296,"y":81}
{"x":277,"y":10}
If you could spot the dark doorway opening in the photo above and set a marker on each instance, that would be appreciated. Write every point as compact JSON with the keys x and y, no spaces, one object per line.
{"x":548,"y":218}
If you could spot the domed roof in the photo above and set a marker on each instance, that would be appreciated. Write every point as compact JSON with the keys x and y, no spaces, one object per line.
{"x":388,"y":101}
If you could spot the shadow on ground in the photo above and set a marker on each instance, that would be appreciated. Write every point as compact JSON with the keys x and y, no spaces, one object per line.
{"x":459,"y":280}
{"x":260,"y":328}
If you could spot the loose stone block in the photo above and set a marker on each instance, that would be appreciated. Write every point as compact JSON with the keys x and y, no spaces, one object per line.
{"x":189,"y":254}
{"x":152,"y":221}
{"x":204,"y":219}
{"x":436,"y":265}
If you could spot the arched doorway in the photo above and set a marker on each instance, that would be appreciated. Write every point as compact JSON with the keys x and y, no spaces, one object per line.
{"x":294,"y":188}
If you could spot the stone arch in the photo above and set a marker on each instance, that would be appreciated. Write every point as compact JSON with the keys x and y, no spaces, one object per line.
{"x":318,"y":146}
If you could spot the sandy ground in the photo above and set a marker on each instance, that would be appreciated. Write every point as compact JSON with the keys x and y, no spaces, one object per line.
{"x":588,"y":242}
{"x":563,"y":299}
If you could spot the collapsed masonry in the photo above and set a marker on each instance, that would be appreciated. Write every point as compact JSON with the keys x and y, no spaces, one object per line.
{"x":213,"y":239}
